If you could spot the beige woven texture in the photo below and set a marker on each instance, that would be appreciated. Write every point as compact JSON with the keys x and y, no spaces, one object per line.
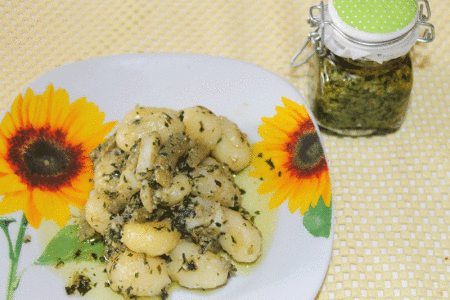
{"x":391,"y":193}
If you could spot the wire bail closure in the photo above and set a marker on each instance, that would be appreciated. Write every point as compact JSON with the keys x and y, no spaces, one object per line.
{"x":428,"y":35}
{"x":316,"y":37}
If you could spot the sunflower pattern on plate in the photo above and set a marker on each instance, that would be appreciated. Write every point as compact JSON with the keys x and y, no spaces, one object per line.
{"x":45,"y":143}
{"x":44,"y":155}
{"x":291,"y":162}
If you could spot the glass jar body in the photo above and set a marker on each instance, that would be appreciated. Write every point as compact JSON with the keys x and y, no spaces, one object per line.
{"x":360,"y":97}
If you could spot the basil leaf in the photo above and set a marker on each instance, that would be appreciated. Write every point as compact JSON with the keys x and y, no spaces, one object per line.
{"x":66,"y":246}
{"x":317,"y":220}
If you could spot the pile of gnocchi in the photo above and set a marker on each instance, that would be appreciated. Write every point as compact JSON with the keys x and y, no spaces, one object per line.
{"x":166,"y":204}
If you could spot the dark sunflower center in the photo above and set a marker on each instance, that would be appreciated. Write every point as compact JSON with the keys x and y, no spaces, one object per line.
{"x":308,"y":150}
{"x":44,"y":158}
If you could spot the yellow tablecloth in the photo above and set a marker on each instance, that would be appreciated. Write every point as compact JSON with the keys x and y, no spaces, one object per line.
{"x":392,"y":233}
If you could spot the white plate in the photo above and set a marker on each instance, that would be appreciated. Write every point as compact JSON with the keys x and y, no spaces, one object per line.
{"x":295,"y":262}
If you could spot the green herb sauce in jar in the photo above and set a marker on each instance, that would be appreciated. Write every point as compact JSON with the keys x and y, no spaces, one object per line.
{"x":360,"y":97}
{"x":361,"y":74}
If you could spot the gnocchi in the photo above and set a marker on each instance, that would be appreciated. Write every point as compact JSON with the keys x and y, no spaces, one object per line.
{"x":134,"y":274}
{"x":148,"y":150}
{"x":140,"y":112}
{"x":166,"y":202}
{"x":242,"y":240}
{"x":232,"y":148}
{"x":175,"y":193}
{"x":213,"y":180}
{"x":202,"y":125}
{"x":193,"y":269}
{"x":107,"y":171}
{"x":164,"y":123}
{"x":96,"y":214}
{"x":151,"y":238}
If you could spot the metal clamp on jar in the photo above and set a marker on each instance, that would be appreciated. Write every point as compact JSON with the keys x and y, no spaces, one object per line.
{"x":362,"y":75}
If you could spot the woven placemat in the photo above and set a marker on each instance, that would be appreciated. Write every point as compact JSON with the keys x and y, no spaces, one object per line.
{"x":391,"y":193}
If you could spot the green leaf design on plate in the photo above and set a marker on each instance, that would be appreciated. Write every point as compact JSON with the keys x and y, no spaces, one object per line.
{"x":317,"y":220}
{"x":66,"y":246}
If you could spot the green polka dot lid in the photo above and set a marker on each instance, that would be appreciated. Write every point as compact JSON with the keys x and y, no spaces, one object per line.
{"x":369,"y":19}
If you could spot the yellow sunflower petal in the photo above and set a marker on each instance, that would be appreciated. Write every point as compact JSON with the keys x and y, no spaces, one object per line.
{"x":13,"y":202}
{"x":269,"y":146}
{"x":279,"y":196}
{"x":281,"y":124}
{"x":320,"y":188}
{"x":82,"y":118}
{"x":86,"y":124}
{"x":58,"y":106}
{"x":5,"y":167}
{"x":34,"y":217}
{"x":76,"y":111}
{"x":79,"y":191}
{"x":278,"y":156}
{"x":61,"y":212}
{"x":326,"y":192}
{"x":262,"y":170}
{"x":27,"y":102}
{"x":257,"y":149}
{"x":270,"y":185}
{"x":40,"y":115}
{"x":297,"y":196}
{"x":257,"y":173}
{"x":7,"y":126}
{"x":261,"y":165}
{"x":83,"y":183}
{"x":34,"y":111}
{"x":285,"y":113}
{"x":74,"y":197}
{"x":11,"y":183}
{"x":275,"y":139}
{"x":298,"y":111}
{"x":93,"y":141}
{"x":309,"y":195}
{"x":52,"y":207}
{"x":16,"y":111}
{"x":21,"y":201}
{"x":269,"y":168}
{"x":268,"y":133}
{"x":3,"y":145}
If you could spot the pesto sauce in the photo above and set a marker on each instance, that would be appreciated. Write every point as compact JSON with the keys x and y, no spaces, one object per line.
{"x":265,"y":219}
{"x":360,"y":97}
{"x":257,"y":206}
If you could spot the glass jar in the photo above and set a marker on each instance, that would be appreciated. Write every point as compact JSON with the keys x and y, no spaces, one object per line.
{"x":360,"y":97}
{"x":361,"y":74}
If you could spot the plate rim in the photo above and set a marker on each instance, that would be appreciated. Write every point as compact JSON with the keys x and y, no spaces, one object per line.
{"x":217,"y":58}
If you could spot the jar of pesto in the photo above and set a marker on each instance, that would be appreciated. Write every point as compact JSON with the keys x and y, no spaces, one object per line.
{"x":361,"y":75}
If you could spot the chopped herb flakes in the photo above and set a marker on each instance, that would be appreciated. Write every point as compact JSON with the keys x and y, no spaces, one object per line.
{"x":77,"y":253}
{"x":59,"y":264}
{"x":185,"y":183}
{"x":26,"y":238}
{"x":351,"y":97}
{"x":80,"y":283}
{"x":270,"y":163}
